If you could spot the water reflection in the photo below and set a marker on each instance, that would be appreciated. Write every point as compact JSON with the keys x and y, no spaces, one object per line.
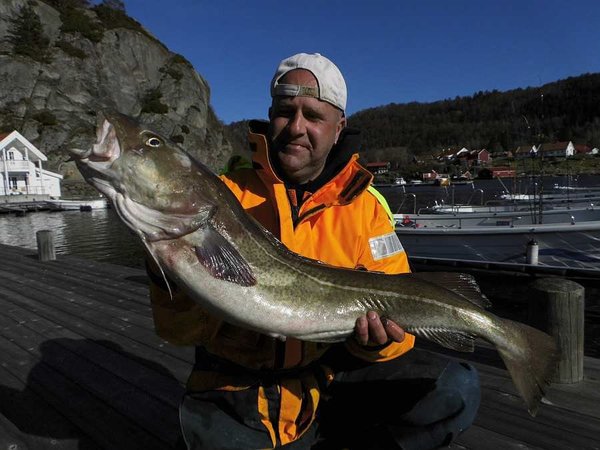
{"x":97,"y":234}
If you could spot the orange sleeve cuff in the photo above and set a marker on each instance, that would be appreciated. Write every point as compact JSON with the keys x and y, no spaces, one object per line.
{"x":381,"y":354}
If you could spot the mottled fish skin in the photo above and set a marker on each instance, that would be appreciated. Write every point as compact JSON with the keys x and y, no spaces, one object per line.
{"x":200,"y":236}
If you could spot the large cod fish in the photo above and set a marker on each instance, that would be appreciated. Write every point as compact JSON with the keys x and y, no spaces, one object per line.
{"x":203,"y":240}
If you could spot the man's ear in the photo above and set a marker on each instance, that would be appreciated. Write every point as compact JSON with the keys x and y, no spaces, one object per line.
{"x":340,"y":126}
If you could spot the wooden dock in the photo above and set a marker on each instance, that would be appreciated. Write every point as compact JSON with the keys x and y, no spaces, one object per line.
{"x":81,"y":368}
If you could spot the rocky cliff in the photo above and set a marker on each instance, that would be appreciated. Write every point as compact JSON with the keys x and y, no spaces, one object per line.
{"x":63,"y":61}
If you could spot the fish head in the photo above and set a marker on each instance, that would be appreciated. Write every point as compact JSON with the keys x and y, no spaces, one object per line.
{"x":158,"y":189}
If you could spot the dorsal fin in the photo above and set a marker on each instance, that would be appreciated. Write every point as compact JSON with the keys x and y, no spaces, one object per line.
{"x":459,"y":283}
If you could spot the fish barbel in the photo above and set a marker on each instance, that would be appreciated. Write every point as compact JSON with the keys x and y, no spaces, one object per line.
{"x":201,"y":237}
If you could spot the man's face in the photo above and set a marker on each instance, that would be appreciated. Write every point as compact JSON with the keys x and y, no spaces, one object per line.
{"x":303,"y":130}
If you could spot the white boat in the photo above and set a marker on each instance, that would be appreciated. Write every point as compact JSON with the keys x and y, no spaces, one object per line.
{"x":554,"y":197}
{"x":77,"y":205}
{"x":567,"y":245}
{"x":497,"y":217}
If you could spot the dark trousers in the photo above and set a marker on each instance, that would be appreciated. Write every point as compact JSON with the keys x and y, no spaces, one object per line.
{"x":418,"y":401}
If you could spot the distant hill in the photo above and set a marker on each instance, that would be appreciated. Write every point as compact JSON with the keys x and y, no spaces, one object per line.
{"x":565,"y":110}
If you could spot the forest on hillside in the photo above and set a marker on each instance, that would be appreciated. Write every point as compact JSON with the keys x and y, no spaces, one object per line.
{"x":565,"y":110}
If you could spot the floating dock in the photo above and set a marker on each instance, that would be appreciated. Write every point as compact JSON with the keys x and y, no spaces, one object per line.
{"x":81,"y":367}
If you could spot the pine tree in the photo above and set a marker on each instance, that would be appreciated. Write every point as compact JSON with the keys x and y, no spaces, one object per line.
{"x":27,"y":35}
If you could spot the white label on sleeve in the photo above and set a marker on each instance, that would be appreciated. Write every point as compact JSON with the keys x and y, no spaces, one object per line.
{"x":384,"y":246}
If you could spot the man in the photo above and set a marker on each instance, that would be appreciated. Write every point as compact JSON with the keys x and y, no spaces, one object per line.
{"x":251,"y":391}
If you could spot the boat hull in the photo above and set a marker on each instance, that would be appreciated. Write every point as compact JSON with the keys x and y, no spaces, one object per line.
{"x":498,"y":218}
{"x":563,"y":245}
{"x":77,"y":205}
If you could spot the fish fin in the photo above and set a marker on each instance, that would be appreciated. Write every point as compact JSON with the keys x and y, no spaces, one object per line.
{"x":459,"y":283}
{"x":454,"y":340}
{"x":531,"y":359}
{"x":162,"y":272}
{"x":223,"y":261}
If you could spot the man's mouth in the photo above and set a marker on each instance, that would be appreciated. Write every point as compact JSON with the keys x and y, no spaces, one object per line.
{"x":294,"y":147}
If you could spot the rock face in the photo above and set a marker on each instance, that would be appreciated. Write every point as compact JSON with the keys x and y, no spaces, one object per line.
{"x":54,"y":101}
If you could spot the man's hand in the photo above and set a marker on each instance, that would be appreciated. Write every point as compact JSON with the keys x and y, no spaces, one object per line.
{"x":371,"y":329}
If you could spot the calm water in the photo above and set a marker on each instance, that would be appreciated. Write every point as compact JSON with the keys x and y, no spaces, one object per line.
{"x":100,"y":235}
{"x":97,"y":234}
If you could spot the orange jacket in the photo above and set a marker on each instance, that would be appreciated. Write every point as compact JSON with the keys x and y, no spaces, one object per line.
{"x":342,"y":224}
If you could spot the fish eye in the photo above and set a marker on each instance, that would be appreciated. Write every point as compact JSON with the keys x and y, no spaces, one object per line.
{"x":153,"y":142}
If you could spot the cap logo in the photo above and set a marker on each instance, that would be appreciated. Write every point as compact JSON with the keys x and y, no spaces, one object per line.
{"x":294,"y":90}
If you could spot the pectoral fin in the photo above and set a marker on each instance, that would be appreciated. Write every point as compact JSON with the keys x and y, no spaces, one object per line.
{"x":223,"y":261}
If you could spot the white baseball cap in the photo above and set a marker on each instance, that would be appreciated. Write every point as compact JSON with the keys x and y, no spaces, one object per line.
{"x":332,"y":87}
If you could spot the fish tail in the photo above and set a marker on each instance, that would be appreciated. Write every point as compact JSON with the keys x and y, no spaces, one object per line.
{"x":531,"y":358}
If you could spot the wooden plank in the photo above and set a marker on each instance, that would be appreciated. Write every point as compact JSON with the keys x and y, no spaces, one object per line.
{"x":114,"y":292}
{"x":88,"y":324}
{"x":10,"y":436}
{"x":151,"y":376}
{"x":480,"y":438}
{"x":28,"y":421}
{"x":111,"y":278}
{"x":108,"y":428}
{"x":551,"y":428}
{"x":90,"y":306}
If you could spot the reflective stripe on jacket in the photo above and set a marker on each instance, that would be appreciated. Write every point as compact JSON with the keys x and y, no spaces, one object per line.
{"x":343,"y":224}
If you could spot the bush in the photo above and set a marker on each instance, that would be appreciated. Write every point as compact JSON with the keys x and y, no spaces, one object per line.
{"x":75,"y":20}
{"x":173,"y":73}
{"x":151,"y":102}
{"x":62,"y":5}
{"x":179,"y":59}
{"x":70,"y":49}
{"x":45,"y":118}
{"x":112,"y":15}
{"x":27,"y":35}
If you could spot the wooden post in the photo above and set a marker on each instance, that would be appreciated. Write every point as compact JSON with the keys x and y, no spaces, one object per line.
{"x":556,"y":306}
{"x":45,"y":245}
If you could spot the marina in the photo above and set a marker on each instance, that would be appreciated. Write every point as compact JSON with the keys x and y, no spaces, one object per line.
{"x":81,"y":367}
{"x":557,"y":229}
{"x":77,"y":205}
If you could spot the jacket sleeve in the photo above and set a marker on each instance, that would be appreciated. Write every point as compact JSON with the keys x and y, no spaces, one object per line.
{"x":384,"y":253}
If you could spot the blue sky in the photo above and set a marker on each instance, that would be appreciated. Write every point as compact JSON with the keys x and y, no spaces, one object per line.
{"x":390,"y":51}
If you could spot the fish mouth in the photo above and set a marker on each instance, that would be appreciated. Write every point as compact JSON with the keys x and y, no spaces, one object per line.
{"x":95,"y":163}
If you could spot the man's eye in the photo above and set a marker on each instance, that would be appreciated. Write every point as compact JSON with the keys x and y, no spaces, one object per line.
{"x":283,"y":113}
{"x":153,"y":142}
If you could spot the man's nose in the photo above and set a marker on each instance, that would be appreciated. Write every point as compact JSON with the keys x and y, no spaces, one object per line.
{"x":297,"y":124}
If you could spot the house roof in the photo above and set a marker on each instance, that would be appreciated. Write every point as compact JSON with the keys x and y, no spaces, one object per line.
{"x":582,"y":148}
{"x":554,"y":146}
{"x":16,"y":139}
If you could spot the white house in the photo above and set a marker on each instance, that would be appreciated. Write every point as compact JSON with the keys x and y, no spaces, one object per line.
{"x":557,"y":149}
{"x":21,"y":168}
